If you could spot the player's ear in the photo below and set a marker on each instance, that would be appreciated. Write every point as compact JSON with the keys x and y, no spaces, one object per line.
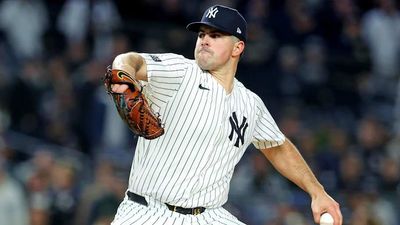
{"x":238,"y":48}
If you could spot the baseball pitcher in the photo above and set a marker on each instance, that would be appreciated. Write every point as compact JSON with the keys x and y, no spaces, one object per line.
{"x":196,"y":120}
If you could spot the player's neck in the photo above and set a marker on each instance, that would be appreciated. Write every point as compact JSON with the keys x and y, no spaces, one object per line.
{"x":225,"y":78}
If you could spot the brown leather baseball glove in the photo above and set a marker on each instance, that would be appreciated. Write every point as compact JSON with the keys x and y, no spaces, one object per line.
{"x":132,"y":105}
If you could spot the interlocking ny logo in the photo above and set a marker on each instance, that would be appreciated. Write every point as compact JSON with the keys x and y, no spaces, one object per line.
{"x":239,"y":130}
{"x":212,"y":12}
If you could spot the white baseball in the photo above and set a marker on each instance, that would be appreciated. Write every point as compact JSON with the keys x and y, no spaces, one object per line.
{"x":326,"y":219}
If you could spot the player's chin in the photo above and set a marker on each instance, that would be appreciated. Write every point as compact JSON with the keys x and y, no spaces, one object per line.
{"x":205,"y":66}
{"x":203,"y":63}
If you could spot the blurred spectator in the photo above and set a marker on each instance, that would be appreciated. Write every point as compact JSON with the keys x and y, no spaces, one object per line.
{"x":361,"y":208}
{"x":262,"y":43}
{"x":288,"y":75}
{"x":28,"y":87}
{"x":74,"y":20}
{"x":80,"y":20}
{"x":41,"y":162}
{"x":13,"y":207}
{"x":292,"y":23}
{"x":390,"y":177}
{"x":90,"y":108}
{"x":105,"y":20}
{"x":35,"y":174}
{"x":381,"y":31}
{"x":64,"y":193}
{"x":332,"y":18}
{"x":76,"y":55}
{"x":351,"y":178}
{"x":38,"y":188}
{"x":329,"y":158}
{"x":383,"y":209}
{"x":372,"y":138}
{"x":314,"y":74}
{"x":293,"y":217}
{"x":93,"y":190}
{"x":24,"y":22}
{"x":104,"y":208}
{"x":58,"y":105}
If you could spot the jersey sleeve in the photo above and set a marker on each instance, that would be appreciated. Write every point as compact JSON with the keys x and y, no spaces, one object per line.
{"x":267,"y":133}
{"x":165,"y":73}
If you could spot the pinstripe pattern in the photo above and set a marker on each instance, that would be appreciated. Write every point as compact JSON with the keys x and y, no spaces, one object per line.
{"x":132,"y":213}
{"x":192,"y":163}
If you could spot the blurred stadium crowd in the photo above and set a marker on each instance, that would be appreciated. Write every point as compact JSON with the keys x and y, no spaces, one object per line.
{"x":328,"y":70}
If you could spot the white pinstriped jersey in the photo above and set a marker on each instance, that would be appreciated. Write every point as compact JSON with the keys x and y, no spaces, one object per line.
{"x":206,"y":133}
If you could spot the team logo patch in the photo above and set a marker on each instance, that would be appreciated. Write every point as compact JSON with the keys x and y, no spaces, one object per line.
{"x":240,"y":130}
{"x":155,"y":58}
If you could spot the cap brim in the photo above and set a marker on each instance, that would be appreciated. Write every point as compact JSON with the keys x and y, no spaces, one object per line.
{"x":195,"y":26}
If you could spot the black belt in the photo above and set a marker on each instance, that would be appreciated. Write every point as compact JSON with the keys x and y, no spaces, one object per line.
{"x":141,"y":200}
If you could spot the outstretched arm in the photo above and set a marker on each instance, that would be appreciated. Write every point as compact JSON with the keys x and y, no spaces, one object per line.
{"x":133,"y":64}
{"x":289,"y":162}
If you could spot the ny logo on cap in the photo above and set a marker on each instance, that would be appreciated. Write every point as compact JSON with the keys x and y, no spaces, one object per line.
{"x":212,"y":12}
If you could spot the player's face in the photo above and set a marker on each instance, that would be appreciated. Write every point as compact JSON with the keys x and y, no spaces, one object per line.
{"x":213,"y":48}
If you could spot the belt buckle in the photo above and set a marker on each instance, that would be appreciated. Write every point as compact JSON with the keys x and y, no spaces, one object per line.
{"x":174,"y":210}
{"x":196,"y":211}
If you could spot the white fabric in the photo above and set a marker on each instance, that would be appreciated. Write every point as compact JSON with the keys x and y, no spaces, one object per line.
{"x":206,"y":133}
{"x":156,"y":213}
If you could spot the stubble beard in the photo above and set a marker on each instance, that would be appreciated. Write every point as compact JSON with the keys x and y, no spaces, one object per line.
{"x":204,"y":59}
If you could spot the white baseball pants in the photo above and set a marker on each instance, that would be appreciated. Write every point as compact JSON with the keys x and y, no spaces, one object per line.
{"x":157,"y":213}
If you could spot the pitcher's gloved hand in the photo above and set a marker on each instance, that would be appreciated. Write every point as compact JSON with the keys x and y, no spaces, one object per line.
{"x":132,"y":105}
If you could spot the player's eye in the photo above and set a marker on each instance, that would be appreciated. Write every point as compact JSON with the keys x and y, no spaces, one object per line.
{"x":201,"y":34}
{"x":215,"y":35}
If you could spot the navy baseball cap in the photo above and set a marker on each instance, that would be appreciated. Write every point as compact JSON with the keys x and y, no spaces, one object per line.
{"x":222,"y":18}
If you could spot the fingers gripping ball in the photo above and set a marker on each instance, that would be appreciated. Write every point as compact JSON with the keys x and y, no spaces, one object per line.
{"x":132,"y":105}
{"x":326,"y":219}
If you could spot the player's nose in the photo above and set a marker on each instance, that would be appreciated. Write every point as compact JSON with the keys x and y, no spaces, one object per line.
{"x":205,"y":40}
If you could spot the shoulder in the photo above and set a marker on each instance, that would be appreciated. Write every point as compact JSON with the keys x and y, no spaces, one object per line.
{"x":164,"y":58}
{"x":168,"y":61}
{"x":247,"y":92}
{"x":251,"y":99}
